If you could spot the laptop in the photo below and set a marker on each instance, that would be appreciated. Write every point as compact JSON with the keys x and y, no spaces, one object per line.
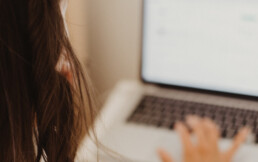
{"x":199,"y":57}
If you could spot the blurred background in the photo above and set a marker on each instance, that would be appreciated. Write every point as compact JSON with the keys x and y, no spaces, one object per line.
{"x":106,"y":37}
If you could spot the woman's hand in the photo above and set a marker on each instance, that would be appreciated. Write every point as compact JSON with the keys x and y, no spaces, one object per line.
{"x":205,"y":149}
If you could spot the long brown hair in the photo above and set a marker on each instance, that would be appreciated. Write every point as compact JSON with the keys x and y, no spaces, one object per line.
{"x":42,"y":116}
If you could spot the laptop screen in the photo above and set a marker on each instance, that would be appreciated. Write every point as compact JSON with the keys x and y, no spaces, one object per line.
{"x":203,"y":44}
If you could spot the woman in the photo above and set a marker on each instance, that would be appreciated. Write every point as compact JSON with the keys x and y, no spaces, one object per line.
{"x":43,"y":115}
{"x":42,"y":112}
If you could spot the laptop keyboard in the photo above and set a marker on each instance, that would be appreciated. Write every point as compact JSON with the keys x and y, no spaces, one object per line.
{"x":164,"y":112}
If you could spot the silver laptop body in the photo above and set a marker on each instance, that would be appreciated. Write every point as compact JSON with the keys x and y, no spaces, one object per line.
{"x":198,"y":57}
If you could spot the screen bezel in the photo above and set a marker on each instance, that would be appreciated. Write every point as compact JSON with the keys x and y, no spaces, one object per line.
{"x":179,"y":87}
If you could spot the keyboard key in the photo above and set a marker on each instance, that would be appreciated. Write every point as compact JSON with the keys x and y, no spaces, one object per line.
{"x":165,"y":112}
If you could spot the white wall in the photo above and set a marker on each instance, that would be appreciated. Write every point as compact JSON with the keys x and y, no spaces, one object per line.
{"x":114,"y":41}
{"x":77,"y":21}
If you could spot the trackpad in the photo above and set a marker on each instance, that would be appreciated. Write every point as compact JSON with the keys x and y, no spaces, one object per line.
{"x":139,"y":143}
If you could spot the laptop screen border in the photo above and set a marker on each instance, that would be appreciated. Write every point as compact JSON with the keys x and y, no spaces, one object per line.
{"x":180,"y":87}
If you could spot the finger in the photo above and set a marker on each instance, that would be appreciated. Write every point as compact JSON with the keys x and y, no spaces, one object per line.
{"x":238,"y":140}
{"x":196,"y":125}
{"x":185,"y":137}
{"x":212,"y":130}
{"x":164,"y":156}
{"x":211,"y":135}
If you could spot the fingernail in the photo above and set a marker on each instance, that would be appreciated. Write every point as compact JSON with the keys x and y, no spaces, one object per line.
{"x":178,"y":126}
{"x":246,"y":130}
{"x":189,"y":116}
{"x":192,"y":120}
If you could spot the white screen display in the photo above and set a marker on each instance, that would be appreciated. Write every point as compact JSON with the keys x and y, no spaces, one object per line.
{"x":205,"y":44}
